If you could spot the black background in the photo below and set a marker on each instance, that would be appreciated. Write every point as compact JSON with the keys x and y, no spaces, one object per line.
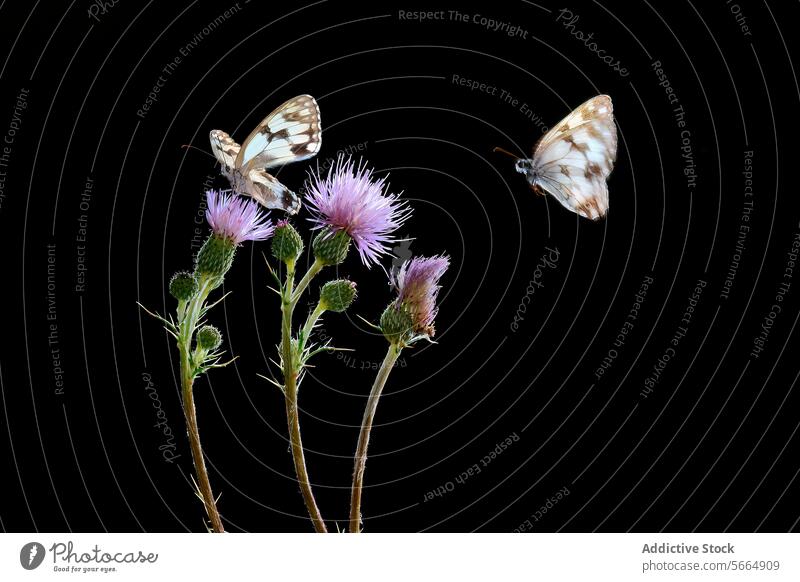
{"x":713,"y":447}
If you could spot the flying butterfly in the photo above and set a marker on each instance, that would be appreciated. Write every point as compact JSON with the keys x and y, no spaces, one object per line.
{"x":291,"y":133}
{"x":572,"y":161}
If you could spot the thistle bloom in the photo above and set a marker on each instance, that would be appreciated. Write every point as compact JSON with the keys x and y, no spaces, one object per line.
{"x":349,"y":199}
{"x":236,"y":219}
{"x":417,"y":284}
{"x":232,"y":220}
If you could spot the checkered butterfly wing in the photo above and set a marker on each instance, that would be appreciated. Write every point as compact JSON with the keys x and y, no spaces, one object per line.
{"x":224,"y":149}
{"x":574,"y":159}
{"x":291,"y":133}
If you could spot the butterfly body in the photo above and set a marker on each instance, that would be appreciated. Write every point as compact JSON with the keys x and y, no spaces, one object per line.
{"x":291,"y":133}
{"x":573,"y":160}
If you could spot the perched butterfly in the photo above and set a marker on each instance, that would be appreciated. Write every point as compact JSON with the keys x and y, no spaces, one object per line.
{"x":291,"y":133}
{"x":572,"y":161}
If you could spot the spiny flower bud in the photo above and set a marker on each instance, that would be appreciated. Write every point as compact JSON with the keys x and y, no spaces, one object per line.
{"x":183,"y":286}
{"x":337,"y":295}
{"x":286,"y":242}
{"x":209,"y":337}
{"x":331,"y":249}
{"x":215,"y":257}
{"x":396,"y":323}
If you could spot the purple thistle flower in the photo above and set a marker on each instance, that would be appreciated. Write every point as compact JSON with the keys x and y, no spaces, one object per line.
{"x":417,"y":284}
{"x":350,"y":199}
{"x":236,"y":219}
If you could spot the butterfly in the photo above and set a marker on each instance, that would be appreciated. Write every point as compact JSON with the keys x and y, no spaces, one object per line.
{"x":572,"y":161}
{"x":291,"y":133}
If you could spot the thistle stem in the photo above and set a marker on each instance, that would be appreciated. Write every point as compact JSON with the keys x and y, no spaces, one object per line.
{"x":189,"y":318}
{"x":290,"y":374}
{"x":363,"y":439}
{"x":311,"y":321}
{"x":315,"y":268}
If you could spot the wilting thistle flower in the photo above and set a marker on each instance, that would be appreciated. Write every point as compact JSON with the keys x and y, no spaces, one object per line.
{"x":350,"y":200}
{"x":412,"y":314}
{"x":233,"y":220}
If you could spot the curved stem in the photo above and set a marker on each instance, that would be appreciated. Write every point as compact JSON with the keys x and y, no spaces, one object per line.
{"x":188,"y":324}
{"x":363,"y":438}
{"x":290,"y":374}
{"x":315,"y":268}
{"x":311,"y":321}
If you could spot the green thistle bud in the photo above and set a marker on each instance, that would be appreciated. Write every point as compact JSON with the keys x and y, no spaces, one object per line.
{"x":337,"y":295}
{"x":331,"y":250}
{"x":183,"y":286}
{"x":209,"y":337}
{"x":215,"y":257}
{"x":286,"y":243}
{"x":396,"y":323}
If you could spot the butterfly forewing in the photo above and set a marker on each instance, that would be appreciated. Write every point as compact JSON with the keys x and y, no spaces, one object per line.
{"x":224,"y":148}
{"x":573,"y":160}
{"x":291,"y":133}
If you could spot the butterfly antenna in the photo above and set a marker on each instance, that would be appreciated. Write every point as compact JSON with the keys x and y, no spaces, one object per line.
{"x":506,"y":152}
{"x":186,"y":145}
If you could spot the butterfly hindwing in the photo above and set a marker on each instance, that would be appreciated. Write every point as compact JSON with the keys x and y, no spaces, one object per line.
{"x":270,"y":192}
{"x":582,"y":194}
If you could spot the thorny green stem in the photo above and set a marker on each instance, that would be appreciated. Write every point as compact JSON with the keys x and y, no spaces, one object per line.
{"x":363,"y":438}
{"x":290,"y":374}
{"x":313,"y":317}
{"x":189,"y":315}
{"x":315,"y":268}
